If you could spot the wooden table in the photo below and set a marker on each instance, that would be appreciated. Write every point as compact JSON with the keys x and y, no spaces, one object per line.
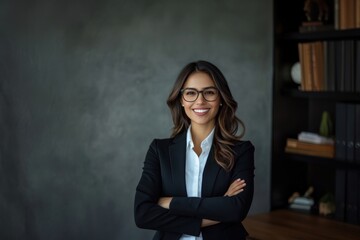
{"x":288,"y":225}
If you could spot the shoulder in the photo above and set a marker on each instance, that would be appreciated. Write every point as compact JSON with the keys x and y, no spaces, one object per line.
{"x":241,"y":147}
{"x":244,"y":155}
{"x":161,"y":142}
{"x":166,"y":142}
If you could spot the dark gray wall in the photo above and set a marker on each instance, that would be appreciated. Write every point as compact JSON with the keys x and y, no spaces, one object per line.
{"x":82,"y":94}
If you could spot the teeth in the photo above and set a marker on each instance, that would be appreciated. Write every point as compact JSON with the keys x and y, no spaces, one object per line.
{"x":201,"y":110}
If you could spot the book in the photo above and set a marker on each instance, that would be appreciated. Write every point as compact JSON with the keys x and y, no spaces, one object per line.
{"x":357,"y":134}
{"x":340,"y":190}
{"x":349,"y":66}
{"x":357,"y":13}
{"x":324,"y":154}
{"x":357,"y":66}
{"x":305,"y":53}
{"x":296,"y":206}
{"x":350,"y":132}
{"x":294,"y":143}
{"x":351,"y":196}
{"x":304,"y":201}
{"x":330,"y":65}
{"x":347,"y":14}
{"x":340,"y":65}
{"x":340,"y":131}
{"x":315,"y":26}
{"x":336,"y":14}
{"x":310,"y":149}
{"x":317,"y":55}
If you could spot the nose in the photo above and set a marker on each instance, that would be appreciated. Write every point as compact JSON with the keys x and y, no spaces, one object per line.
{"x":200,"y":98}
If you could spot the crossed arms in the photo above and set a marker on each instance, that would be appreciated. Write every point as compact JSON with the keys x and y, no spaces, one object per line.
{"x":187,"y":215}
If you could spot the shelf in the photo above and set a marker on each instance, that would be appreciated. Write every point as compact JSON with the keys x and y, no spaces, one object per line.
{"x":338,"y":96}
{"x":321,"y":35}
{"x":330,"y":162}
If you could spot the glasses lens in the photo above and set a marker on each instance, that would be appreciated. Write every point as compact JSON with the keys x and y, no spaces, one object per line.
{"x":210,"y":94}
{"x":190,"y":95}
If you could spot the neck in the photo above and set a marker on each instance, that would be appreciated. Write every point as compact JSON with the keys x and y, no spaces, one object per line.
{"x":200,"y":132}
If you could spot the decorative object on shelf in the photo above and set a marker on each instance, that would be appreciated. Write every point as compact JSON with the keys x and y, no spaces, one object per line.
{"x":327,"y":205}
{"x":314,"y":138}
{"x":317,"y":16}
{"x":304,"y":202}
{"x":296,"y":72}
{"x":326,"y":125}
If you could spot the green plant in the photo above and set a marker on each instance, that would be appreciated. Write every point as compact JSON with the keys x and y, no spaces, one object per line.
{"x":326,"y":125}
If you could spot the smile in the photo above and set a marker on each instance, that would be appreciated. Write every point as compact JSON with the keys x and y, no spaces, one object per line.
{"x":201,"y":110}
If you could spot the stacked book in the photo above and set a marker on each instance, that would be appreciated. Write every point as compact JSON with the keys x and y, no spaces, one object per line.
{"x":330,"y":65}
{"x":302,"y":203}
{"x":312,"y":145}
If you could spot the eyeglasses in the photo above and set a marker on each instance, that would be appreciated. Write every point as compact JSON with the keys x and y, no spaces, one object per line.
{"x":210,"y":94}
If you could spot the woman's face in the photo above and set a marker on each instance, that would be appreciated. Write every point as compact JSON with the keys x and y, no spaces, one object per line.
{"x":201,"y":111}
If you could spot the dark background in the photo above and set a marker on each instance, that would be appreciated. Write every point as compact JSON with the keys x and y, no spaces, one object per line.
{"x":83,"y":92}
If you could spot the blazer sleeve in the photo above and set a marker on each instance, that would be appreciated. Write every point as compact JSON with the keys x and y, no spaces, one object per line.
{"x":223,"y":208}
{"x":148,"y":214}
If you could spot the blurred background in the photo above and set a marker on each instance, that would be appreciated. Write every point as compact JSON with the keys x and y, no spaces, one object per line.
{"x":83,"y":88}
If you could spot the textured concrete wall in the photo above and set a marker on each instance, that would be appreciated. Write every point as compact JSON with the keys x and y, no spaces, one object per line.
{"x":83,"y":86}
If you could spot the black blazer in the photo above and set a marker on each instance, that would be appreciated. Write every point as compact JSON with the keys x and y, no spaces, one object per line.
{"x":164,"y":175}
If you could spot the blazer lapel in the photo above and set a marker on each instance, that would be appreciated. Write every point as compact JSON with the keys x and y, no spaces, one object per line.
{"x":177,"y":152}
{"x":209,"y":176}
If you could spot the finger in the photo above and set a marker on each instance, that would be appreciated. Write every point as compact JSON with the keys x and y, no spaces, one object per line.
{"x":236,"y":182}
{"x":238,"y":185}
{"x":235,"y":193}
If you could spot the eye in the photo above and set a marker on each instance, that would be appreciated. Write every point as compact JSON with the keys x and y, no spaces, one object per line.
{"x":190,"y":92}
{"x":210,"y":92}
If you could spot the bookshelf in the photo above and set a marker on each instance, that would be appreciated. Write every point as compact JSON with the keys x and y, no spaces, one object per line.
{"x":296,"y":109}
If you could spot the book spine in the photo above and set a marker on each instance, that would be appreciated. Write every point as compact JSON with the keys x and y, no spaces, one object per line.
{"x":340,"y":186}
{"x":306,"y":66}
{"x":294,"y":143}
{"x":358,"y":198}
{"x":340,"y":65}
{"x":357,"y":13}
{"x":340,"y":131}
{"x":336,"y":14}
{"x":330,"y":68}
{"x":347,"y":14}
{"x":357,"y":134}
{"x":349,"y":66}
{"x":350,"y":132}
{"x":351,"y":197}
{"x":318,"y":66}
{"x":302,"y":65}
{"x":357,"y":65}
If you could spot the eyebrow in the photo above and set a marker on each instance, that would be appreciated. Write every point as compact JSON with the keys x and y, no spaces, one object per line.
{"x":200,"y":89}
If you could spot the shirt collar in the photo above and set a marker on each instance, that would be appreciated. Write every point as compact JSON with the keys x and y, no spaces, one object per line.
{"x":207,"y":142}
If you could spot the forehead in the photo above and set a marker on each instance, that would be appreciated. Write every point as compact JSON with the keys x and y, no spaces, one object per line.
{"x":199,"y":80}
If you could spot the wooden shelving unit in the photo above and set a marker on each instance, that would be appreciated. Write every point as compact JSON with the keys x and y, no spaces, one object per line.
{"x":295,"y":111}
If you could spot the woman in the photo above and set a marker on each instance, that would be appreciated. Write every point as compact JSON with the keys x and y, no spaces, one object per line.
{"x":193,"y":184}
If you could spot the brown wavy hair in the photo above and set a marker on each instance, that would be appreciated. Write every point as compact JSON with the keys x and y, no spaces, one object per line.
{"x":226,"y":124}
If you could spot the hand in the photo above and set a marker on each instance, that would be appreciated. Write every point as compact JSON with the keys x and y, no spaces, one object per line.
{"x":207,"y":223}
{"x":235,"y":188}
{"x":165,"y":202}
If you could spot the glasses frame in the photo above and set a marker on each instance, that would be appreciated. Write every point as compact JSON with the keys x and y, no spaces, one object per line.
{"x":198,"y":93}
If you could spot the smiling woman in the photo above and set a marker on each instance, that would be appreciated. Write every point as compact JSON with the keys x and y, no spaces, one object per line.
{"x":199,"y":183}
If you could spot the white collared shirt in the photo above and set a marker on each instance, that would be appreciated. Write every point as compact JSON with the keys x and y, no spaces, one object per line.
{"x":194,"y":169}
